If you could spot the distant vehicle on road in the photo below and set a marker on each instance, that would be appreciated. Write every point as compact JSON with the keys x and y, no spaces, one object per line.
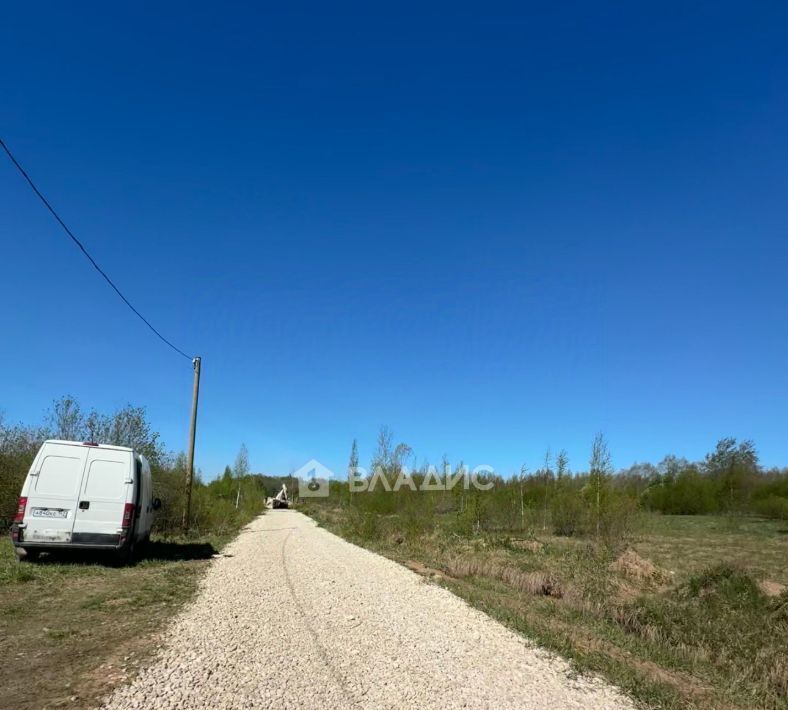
{"x":82,"y":495}
{"x":281,"y":500}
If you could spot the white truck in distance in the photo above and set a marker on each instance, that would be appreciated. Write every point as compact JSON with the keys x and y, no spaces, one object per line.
{"x":85,"y":496}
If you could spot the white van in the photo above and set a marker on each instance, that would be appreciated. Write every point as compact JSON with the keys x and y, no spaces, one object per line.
{"x":84,"y":495}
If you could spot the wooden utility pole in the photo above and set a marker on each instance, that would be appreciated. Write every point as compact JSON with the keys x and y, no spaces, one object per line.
{"x":192,"y":434}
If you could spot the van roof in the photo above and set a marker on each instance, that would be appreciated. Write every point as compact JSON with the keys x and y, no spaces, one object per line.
{"x":93,"y":446}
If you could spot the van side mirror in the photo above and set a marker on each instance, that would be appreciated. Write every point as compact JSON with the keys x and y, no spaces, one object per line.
{"x":155,"y":503}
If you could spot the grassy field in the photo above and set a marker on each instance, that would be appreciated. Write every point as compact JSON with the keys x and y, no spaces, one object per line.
{"x":74,"y":627}
{"x":692,"y":613}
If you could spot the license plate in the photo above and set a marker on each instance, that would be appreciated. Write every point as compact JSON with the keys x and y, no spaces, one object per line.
{"x":48,"y":536}
{"x":49,"y":512}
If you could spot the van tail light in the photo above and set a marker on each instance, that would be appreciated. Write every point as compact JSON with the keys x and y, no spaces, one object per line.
{"x":128,"y":515}
{"x":20,"y":509}
{"x":127,"y":522}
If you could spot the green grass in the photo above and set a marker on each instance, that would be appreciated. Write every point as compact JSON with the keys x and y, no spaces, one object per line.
{"x":686,"y":544}
{"x":694,"y":630}
{"x":74,"y":627}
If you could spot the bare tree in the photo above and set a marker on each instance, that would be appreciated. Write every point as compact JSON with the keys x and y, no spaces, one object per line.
{"x":443,"y":476}
{"x":383,"y":450}
{"x":402,"y":452}
{"x":66,"y":419}
{"x":241,"y":469}
{"x":352,"y":467}
{"x":128,"y":426}
{"x":387,"y":457}
{"x":521,"y":481}
{"x":548,"y":474}
{"x":600,"y":468}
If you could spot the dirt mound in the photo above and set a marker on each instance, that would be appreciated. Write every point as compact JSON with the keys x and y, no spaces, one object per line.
{"x":771,"y":589}
{"x":539,"y":583}
{"x":632,"y":565}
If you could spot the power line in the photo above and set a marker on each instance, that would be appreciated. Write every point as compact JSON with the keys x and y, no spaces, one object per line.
{"x":85,"y":251}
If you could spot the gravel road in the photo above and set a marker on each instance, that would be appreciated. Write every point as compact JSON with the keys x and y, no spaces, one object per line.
{"x":295,"y":617}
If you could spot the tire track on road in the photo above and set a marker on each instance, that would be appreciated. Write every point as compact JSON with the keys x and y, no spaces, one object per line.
{"x":336,"y":674}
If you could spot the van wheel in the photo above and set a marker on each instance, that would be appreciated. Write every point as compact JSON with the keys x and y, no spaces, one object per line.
{"x":125,"y":556}
{"x":143,"y":547}
{"x":24,"y":555}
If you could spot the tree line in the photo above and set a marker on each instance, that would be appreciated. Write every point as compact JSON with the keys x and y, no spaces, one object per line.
{"x":597,"y":501}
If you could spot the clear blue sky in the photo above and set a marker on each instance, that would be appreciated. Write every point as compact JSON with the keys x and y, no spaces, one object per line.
{"x":495,"y":228}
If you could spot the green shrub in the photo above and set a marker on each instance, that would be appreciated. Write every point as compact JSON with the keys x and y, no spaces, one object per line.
{"x":617,"y":517}
{"x":361,"y":524}
{"x":722,"y":616}
{"x":772,"y":506}
{"x":566,"y":511}
{"x":771,"y":498}
{"x":18,"y":447}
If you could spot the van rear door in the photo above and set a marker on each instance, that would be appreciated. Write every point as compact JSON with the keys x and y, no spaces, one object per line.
{"x":107,"y":485}
{"x":52,"y":493}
